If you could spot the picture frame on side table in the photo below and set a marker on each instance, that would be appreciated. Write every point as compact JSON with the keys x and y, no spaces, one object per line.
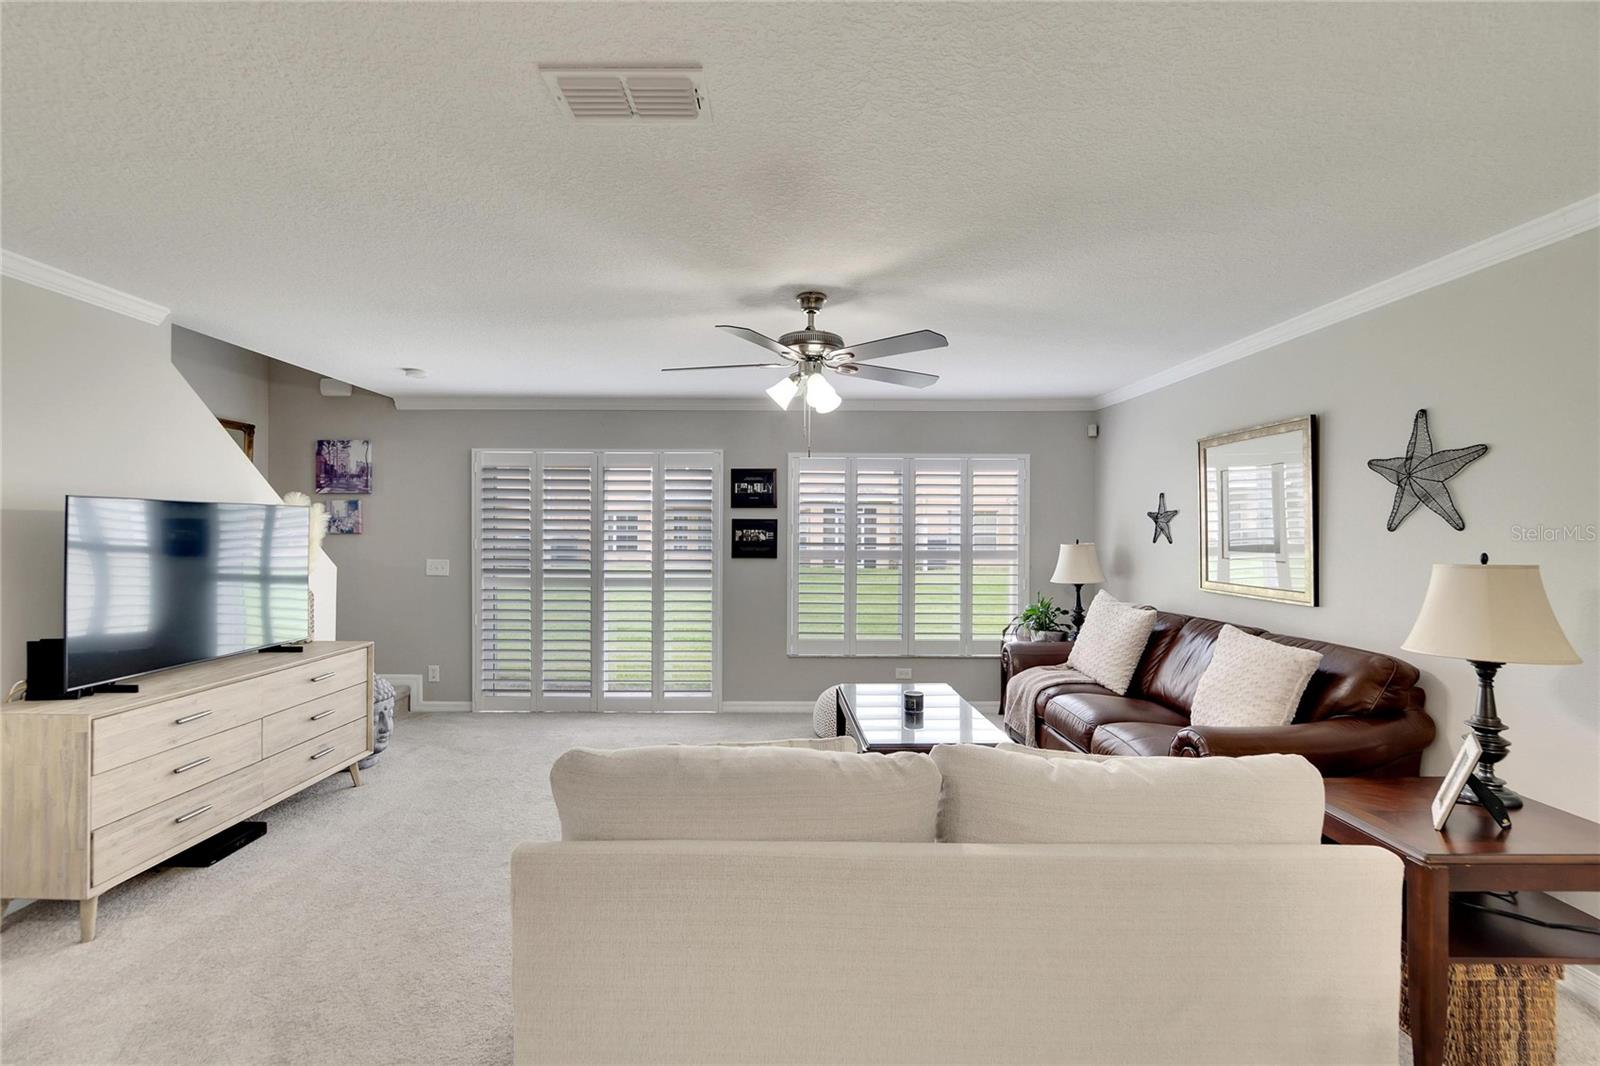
{"x":1460,"y":776}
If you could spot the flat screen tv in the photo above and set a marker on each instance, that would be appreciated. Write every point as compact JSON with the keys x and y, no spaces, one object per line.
{"x":152,"y":584}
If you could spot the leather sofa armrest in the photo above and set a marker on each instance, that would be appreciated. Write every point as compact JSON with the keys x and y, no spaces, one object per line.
{"x":1019,"y":655}
{"x":1338,"y":747}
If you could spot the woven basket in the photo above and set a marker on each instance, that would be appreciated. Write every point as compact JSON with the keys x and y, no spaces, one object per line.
{"x":1497,"y":1015}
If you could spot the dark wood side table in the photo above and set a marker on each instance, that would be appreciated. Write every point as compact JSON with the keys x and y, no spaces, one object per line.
{"x":1544,"y":850}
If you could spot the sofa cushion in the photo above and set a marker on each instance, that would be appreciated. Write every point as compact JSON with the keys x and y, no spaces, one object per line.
{"x":1000,"y":797}
{"x":1077,"y":715}
{"x":1134,"y":738}
{"x":1111,"y":641}
{"x":1048,"y":753}
{"x":1252,"y":681}
{"x":845,"y":743}
{"x":744,"y":793}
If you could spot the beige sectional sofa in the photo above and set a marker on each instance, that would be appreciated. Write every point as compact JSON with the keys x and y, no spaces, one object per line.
{"x":1214,"y":929}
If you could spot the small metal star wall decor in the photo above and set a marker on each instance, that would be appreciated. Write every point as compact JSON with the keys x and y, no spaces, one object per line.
{"x":1163,"y":520}
{"x":1420,"y":474}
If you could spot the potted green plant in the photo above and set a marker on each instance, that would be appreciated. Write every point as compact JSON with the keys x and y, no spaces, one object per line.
{"x":1040,"y":620}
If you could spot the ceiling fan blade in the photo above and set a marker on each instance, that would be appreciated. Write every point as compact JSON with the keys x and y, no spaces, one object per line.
{"x":728,"y":366}
{"x":914,"y":378}
{"x":762,"y":339}
{"x":920,"y":341}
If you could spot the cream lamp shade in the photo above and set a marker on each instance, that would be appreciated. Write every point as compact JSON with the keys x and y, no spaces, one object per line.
{"x":1489,"y":614}
{"x":1077,"y":565}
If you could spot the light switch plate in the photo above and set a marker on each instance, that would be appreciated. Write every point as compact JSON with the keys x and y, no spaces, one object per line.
{"x":902,"y":673}
{"x":438,"y":568}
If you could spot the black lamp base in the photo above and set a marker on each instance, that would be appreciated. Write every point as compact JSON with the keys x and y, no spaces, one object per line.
{"x":1486,"y":725}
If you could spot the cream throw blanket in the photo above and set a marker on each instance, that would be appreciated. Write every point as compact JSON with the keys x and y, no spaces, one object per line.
{"x":1022,"y":694}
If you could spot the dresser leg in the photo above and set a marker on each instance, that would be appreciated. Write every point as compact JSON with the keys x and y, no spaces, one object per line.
{"x":86,"y":914}
{"x":355,"y":775}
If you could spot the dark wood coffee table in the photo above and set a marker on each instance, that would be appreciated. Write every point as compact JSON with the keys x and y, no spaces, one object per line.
{"x":874,"y":715}
{"x":1545,"y":849}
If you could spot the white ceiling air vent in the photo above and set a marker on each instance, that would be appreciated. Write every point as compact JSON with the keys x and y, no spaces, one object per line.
{"x":629,"y":94}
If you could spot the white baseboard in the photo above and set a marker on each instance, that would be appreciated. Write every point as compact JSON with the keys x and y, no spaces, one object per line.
{"x":420,"y":702}
{"x":767,"y":706}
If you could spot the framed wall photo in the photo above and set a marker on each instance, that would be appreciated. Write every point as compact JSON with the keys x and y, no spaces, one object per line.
{"x":344,"y":516}
{"x":755,"y":538}
{"x":751,"y":486}
{"x":344,"y":466}
{"x":243,"y":434}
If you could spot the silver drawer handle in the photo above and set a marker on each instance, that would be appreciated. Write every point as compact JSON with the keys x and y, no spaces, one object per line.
{"x":186,"y":719}
{"x":194,"y":814}
{"x":324,"y":751}
{"x":323,"y":677}
{"x":191,"y":765}
{"x":324,"y":714}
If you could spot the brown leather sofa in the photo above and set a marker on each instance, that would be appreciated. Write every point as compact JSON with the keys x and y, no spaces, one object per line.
{"x":1360,"y":715}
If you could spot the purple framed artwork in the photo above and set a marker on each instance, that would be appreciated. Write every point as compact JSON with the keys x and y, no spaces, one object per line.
{"x":344,"y":516}
{"x":344,"y":466}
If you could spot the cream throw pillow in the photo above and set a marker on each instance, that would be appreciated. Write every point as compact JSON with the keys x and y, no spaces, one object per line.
{"x":1252,"y":681}
{"x":744,"y":793}
{"x":1005,"y":797}
{"x":1111,"y":641}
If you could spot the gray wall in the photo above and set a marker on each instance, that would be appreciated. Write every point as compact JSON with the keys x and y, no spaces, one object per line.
{"x":233,"y":381}
{"x":420,"y":508}
{"x":1508,"y":356}
{"x":92,"y":405}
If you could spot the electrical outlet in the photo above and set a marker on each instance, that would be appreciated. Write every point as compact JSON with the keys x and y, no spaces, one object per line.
{"x":902,"y":673}
{"x":437,"y":568}
{"x":433,"y":673}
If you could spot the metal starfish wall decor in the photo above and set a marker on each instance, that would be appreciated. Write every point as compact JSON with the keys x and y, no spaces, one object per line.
{"x":1419,"y":475}
{"x":1163,"y":520}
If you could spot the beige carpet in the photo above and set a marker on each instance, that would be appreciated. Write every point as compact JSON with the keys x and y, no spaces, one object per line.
{"x":368,"y":926}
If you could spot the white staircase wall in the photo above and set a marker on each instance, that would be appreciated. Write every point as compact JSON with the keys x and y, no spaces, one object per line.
{"x":90,"y":404}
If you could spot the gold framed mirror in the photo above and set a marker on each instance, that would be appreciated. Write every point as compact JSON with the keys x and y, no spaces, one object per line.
{"x":1258,"y":512}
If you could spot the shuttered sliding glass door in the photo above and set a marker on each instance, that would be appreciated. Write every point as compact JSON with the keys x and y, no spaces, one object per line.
{"x":596,"y":580}
{"x":902,"y":555}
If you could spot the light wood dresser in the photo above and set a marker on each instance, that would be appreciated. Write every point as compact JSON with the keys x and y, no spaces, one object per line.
{"x":97,"y":790}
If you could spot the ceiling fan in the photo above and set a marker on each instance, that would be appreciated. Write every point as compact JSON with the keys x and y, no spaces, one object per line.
{"x":809,"y":354}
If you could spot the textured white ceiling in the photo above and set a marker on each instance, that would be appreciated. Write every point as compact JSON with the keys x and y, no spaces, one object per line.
{"x":1078,"y":195}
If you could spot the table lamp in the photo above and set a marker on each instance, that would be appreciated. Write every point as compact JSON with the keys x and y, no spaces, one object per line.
{"x":1077,"y":565}
{"x":1489,"y":616}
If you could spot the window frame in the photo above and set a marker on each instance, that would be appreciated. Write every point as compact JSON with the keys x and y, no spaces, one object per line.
{"x":968,"y":645}
{"x":597,"y":699}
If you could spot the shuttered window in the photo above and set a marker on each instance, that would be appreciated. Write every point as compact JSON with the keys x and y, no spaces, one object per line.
{"x":896,"y":555}
{"x":596,"y":580}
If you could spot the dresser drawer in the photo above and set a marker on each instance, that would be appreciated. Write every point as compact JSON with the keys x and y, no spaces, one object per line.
{"x":337,"y":748}
{"x":123,"y":738}
{"x":118,"y":793}
{"x":288,"y":728}
{"x":135,"y":841}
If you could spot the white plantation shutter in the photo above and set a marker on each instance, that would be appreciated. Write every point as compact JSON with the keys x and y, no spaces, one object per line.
{"x":894,"y":555}
{"x":817,"y":616}
{"x":503,"y":565}
{"x":597,"y":577}
{"x":878,"y":570}
{"x":689,"y":520}
{"x":938,"y":516}
{"x":566,"y":576}
{"x":628,"y":576}
{"x":995,"y":537}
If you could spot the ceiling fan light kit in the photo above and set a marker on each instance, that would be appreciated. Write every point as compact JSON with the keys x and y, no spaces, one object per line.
{"x":809,"y":354}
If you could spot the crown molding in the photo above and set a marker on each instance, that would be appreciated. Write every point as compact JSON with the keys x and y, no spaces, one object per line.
{"x":683,"y":403}
{"x":55,"y":279}
{"x":1569,"y":221}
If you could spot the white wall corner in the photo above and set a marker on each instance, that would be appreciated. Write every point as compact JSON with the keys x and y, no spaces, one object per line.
{"x":1558,"y":225}
{"x":56,"y":280}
